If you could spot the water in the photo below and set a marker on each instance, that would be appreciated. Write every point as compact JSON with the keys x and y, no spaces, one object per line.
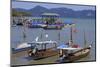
{"x":87,"y":25}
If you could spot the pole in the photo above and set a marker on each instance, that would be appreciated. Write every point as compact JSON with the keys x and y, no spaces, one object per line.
{"x":85,"y":42}
{"x":71,"y":36}
{"x":24,"y":34}
{"x":59,"y":36}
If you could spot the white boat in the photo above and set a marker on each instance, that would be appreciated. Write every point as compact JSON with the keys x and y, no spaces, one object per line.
{"x":68,"y":53}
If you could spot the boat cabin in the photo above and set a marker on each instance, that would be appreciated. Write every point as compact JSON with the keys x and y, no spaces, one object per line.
{"x":65,"y":50}
{"x":44,"y":51}
{"x":42,"y":45}
{"x":50,"y":18}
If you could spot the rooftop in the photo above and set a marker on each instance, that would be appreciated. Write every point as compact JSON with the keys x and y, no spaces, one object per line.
{"x":50,"y":14}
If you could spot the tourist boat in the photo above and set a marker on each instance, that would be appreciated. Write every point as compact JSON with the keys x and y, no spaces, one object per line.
{"x":48,"y":21}
{"x":52,"y":21}
{"x":70,"y":52}
{"x":44,"y":52}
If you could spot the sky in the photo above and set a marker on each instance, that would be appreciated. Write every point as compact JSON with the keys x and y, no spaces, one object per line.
{"x":29,"y":5}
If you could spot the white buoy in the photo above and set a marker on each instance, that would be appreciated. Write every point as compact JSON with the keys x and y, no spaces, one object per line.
{"x":46,"y":35}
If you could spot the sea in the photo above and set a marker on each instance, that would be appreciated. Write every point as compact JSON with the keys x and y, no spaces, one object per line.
{"x":82,"y":25}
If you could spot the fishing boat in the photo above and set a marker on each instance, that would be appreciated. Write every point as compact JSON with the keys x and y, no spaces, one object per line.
{"x":44,"y":52}
{"x":21,"y":47}
{"x":70,"y":52}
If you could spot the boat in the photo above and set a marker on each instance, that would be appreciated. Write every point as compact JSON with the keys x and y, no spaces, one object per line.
{"x":36,"y":25}
{"x":53,"y":26}
{"x":70,"y":52}
{"x":52,"y":21}
{"x":21,"y":47}
{"x":44,"y":52}
{"x":48,"y":21}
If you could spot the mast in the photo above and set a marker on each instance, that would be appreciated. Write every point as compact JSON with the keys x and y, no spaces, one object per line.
{"x":85,"y":41}
{"x":59,"y":36}
{"x":24,"y":30}
{"x":41,"y":39}
{"x":71,"y":36}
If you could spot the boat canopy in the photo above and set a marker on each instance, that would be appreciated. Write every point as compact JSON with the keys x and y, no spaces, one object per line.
{"x":66,"y":47}
{"x":50,"y":14}
{"x":43,"y":42}
{"x":62,"y":46}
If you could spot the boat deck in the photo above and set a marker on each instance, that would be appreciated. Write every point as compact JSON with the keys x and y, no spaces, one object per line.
{"x":46,"y":53}
{"x":82,"y":52}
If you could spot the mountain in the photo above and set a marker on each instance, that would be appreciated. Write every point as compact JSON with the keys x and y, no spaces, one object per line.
{"x":38,"y":10}
{"x":63,"y":12}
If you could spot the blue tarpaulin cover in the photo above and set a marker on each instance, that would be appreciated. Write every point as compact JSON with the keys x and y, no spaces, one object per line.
{"x":63,"y":46}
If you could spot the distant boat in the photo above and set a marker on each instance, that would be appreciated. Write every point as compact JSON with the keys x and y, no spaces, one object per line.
{"x":36,"y":25}
{"x":48,"y":21}
{"x":52,"y":21}
{"x":69,"y":52}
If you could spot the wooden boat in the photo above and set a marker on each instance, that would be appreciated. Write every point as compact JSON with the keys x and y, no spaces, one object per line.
{"x":40,"y":54}
{"x":71,"y":57}
{"x":68,"y":53}
{"x":44,"y":52}
{"x":79,"y":54}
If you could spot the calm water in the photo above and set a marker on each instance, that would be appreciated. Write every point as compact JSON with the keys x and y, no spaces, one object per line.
{"x":87,"y":25}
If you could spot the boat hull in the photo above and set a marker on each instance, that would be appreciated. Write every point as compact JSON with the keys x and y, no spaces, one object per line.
{"x":44,"y":54}
{"x":53,"y":27}
{"x":76,"y":55}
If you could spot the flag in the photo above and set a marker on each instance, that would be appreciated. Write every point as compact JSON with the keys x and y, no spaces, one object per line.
{"x":74,"y":30}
